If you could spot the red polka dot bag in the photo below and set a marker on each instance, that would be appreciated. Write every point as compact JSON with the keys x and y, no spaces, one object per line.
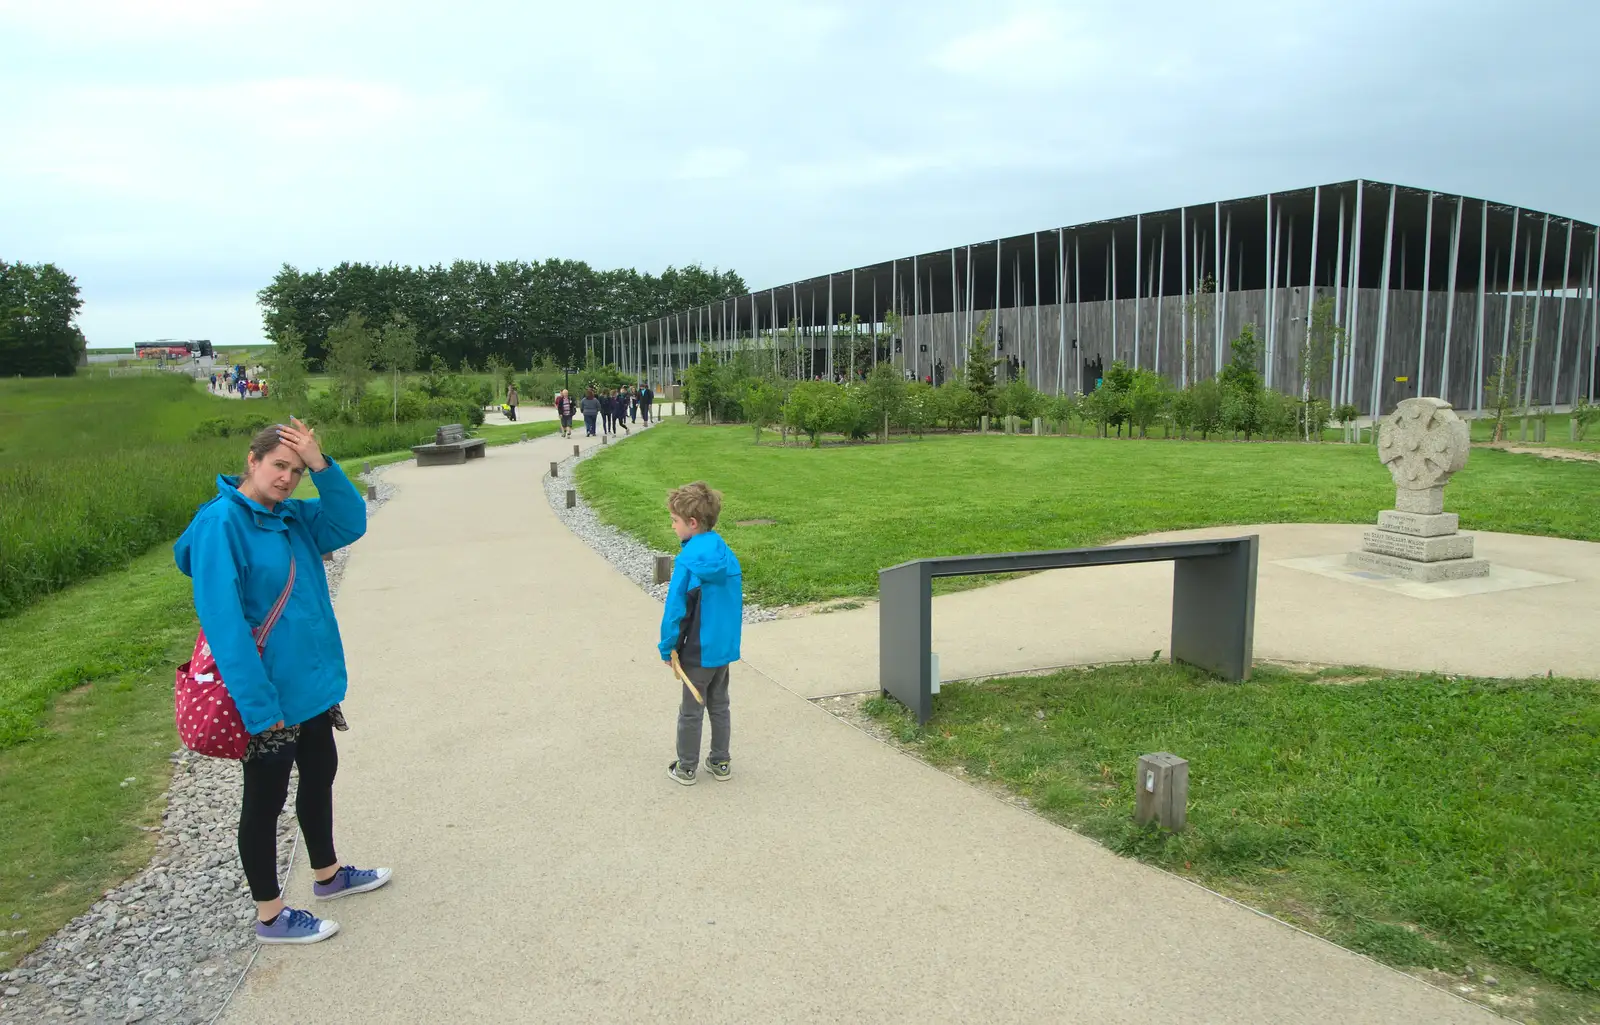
{"x":208,"y":721}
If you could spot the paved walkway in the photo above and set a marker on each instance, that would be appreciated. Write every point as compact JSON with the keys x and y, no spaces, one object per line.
{"x":510,"y":727}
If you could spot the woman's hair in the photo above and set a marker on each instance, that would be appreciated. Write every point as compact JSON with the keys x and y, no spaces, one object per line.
{"x":263,"y":443}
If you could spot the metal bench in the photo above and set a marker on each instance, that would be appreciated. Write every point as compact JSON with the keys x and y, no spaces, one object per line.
{"x":1213,"y":606}
{"x":450,"y":445}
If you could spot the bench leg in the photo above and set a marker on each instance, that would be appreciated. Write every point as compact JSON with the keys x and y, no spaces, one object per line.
{"x":1214,"y":611}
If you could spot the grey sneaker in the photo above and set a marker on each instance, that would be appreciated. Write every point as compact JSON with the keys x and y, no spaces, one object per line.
{"x":295,"y":926}
{"x":348,"y":880}
{"x":720,"y":770}
{"x":677,"y":775}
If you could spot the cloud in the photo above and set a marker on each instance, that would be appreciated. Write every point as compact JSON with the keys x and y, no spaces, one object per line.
{"x":712,"y":162}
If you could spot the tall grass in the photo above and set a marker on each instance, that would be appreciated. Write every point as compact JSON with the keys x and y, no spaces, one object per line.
{"x":96,"y":471}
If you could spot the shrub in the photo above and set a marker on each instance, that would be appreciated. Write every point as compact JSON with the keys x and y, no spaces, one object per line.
{"x":1020,"y":399}
{"x":1147,"y":399}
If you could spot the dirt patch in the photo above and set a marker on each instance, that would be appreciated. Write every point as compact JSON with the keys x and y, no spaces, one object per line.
{"x":1546,"y":453}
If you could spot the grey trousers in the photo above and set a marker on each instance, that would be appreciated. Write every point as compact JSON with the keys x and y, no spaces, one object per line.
{"x":713,"y":684}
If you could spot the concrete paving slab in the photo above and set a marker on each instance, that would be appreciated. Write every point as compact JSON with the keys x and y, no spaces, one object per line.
{"x":1118,"y":613}
{"x":510,"y":729}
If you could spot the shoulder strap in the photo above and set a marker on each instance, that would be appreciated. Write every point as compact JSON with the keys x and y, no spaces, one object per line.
{"x":277,"y":608}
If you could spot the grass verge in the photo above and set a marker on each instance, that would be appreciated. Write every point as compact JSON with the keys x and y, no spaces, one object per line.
{"x":844,"y":512}
{"x":1431,"y":823}
{"x":85,"y":703}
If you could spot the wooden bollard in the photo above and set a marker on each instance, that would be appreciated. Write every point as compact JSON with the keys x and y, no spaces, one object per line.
{"x":574,"y":450}
{"x":554,"y":470}
{"x":602,"y":439}
{"x":366,"y":467}
{"x":1572,"y":430}
{"x":983,"y":423}
{"x":1538,"y":430}
{"x":1162,"y":791}
{"x":372,"y":492}
{"x":1038,"y":426}
{"x":572,"y":499}
{"x":522,"y":437}
{"x":663,"y":570}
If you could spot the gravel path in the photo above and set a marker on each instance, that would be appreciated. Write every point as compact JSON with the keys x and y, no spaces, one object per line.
{"x":633,"y":559}
{"x":169,"y":945}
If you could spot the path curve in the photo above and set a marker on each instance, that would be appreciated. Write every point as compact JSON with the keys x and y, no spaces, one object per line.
{"x":510,"y":728}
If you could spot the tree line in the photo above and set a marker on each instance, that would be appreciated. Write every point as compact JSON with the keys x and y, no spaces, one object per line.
{"x":469,"y":312}
{"x":38,"y":306}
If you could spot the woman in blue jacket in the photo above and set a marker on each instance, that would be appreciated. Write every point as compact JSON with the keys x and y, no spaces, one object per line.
{"x":238,"y":550}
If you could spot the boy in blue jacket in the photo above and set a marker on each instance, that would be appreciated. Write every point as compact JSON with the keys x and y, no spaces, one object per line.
{"x":701,"y":622}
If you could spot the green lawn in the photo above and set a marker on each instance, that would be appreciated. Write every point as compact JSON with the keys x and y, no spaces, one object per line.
{"x":85,"y":703}
{"x":1429,"y":822}
{"x":846,"y":511}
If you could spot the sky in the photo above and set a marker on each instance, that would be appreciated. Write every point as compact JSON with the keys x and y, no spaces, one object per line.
{"x":173,"y":154}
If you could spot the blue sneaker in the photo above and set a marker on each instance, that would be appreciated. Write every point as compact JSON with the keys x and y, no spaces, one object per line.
{"x":348,"y":880}
{"x":295,"y":926}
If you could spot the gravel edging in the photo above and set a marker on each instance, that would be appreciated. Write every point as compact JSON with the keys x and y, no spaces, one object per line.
{"x":629,"y":556}
{"x":171,"y":944}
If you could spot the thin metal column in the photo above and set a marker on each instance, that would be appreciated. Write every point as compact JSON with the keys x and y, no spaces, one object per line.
{"x":1427,"y":287}
{"x":1038,"y":367}
{"x":1219,"y":292}
{"x":1538,"y":294}
{"x":1138,"y":262}
{"x":1483,"y":283}
{"x":1277,"y":275}
{"x":916,"y":313}
{"x":999,"y":265}
{"x":1594,"y":310}
{"x":832,"y":373}
{"x":874,"y":318}
{"x":1183,"y":284}
{"x":1267,"y":299}
{"x":1161,"y":295}
{"x":1338,"y":308}
{"x":1112,"y":272}
{"x":1077,"y":302}
{"x":1236,"y":279}
{"x":955,"y":306}
{"x":1311,"y":282}
{"x":1061,"y":311}
{"x":1561,"y":318}
{"x":1355,"y":294}
{"x":1383,"y":309}
{"x":1511,"y":278}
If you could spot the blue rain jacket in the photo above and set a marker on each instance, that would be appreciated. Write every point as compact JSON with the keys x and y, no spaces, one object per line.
{"x":704,"y":611}
{"x":237,"y":552}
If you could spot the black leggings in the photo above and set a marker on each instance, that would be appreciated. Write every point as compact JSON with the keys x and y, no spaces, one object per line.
{"x":266,"y":787}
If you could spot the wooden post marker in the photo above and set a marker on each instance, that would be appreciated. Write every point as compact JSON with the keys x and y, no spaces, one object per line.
{"x":372,"y":493}
{"x":663,"y":571}
{"x":1038,"y":426}
{"x":522,"y":437}
{"x":554,"y":472}
{"x":1162,"y":791}
{"x":366,"y":467}
{"x":602,"y":439}
{"x":572,"y":499}
{"x":574,"y":450}
{"x":984,"y":423}
{"x":1538,"y":429}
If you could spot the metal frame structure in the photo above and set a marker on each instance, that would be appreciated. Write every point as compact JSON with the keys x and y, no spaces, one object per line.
{"x":1410,"y":326}
{"x":1213,"y":606}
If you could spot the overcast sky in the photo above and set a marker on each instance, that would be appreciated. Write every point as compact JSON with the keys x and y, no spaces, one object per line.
{"x":172,"y":154}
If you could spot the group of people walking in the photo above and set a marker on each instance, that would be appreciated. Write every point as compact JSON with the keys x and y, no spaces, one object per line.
{"x":229,"y":381}
{"x":609,"y":408}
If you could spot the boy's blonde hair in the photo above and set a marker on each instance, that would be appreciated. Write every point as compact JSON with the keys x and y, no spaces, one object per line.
{"x":696,"y":502}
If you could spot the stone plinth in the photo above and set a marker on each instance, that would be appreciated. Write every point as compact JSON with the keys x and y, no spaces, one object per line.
{"x":1422,"y":443}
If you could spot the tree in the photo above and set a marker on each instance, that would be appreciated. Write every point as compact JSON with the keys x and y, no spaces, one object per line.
{"x":882,"y":396}
{"x":1148,"y":397}
{"x":1316,"y":355}
{"x":978,"y":374}
{"x":286,"y":365}
{"x":397,"y":353}
{"x":349,"y":359}
{"x":810,"y":409}
{"x":38,"y":306}
{"x":762,"y":405}
{"x":700,"y":384}
{"x":1241,"y":384}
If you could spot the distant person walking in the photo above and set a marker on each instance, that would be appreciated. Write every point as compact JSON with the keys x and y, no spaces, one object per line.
{"x":608,"y":410}
{"x":564,"y":410}
{"x":511,"y":402}
{"x":633,"y":402}
{"x":621,"y":411}
{"x":247,"y":550}
{"x":590,"y":408}
{"x":647,"y":402}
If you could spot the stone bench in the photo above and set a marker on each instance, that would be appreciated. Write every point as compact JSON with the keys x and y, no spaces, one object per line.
{"x":1213,"y":606}
{"x":451,"y":445}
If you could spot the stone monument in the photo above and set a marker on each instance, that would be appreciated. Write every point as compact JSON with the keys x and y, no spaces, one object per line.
{"x":1422,"y":443}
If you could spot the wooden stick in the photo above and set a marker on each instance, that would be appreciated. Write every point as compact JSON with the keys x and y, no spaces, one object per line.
{"x":677,"y":669}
